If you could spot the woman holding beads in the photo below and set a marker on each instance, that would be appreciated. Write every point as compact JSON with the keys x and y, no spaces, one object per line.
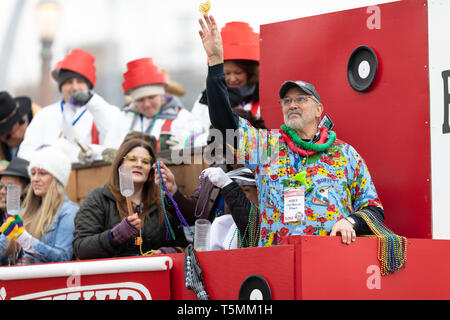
{"x":103,"y":226}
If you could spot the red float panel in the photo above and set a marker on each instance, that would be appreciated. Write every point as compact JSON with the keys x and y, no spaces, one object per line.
{"x":139,"y":278}
{"x":321,"y":267}
{"x":225,"y":271}
{"x":302,"y":268}
{"x":327,"y":269}
{"x":389,"y":123}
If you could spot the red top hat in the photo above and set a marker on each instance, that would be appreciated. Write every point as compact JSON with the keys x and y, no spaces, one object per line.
{"x":240,"y":42}
{"x":141,"y":72}
{"x":79,"y":61}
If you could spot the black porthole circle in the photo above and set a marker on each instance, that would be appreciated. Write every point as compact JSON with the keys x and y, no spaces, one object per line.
{"x":255,"y":287}
{"x":362,"y":68}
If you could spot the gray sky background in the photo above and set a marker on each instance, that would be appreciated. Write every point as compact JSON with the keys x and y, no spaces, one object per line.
{"x":165,"y":30}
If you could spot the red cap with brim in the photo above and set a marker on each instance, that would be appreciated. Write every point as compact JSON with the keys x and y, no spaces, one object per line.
{"x":239,"y":42}
{"x":78,"y":61}
{"x":142,"y":72}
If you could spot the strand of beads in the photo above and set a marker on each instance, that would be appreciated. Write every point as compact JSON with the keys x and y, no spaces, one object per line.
{"x":199,"y":191}
{"x":326,"y":139}
{"x":164,"y":191}
{"x":392,"y":248}
{"x":253,"y":219}
{"x":161,"y":195}
{"x":148,"y":253}
{"x":251,"y":231}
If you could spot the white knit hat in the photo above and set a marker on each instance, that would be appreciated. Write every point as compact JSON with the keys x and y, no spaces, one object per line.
{"x":54,"y":159}
{"x":147,"y":90}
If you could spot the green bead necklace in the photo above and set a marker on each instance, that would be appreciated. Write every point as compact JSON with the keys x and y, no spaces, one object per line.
{"x":307,"y":145}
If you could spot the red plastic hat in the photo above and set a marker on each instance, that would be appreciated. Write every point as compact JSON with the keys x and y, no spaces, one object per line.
{"x":141,"y":72}
{"x":79,"y":61}
{"x":240,"y":42}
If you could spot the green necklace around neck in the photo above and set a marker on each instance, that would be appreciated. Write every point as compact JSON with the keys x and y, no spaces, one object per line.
{"x":308,"y":145}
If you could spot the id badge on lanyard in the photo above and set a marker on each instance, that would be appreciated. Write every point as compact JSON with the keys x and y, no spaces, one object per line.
{"x":294,"y":204}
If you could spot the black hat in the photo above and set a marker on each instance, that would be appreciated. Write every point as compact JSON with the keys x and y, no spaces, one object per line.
{"x":242,"y":176}
{"x":9,"y":112}
{"x":305,"y":86}
{"x":18,"y":167}
{"x":64,"y":75}
{"x":25,"y":105}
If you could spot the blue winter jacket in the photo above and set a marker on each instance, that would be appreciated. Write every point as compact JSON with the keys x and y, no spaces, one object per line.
{"x":56,"y":244}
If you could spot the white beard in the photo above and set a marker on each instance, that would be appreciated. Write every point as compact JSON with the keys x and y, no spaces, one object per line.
{"x":295,"y":124}
{"x":300,"y":125}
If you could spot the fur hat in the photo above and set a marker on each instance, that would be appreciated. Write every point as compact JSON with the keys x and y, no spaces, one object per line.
{"x":54,"y":159}
{"x":147,"y":90}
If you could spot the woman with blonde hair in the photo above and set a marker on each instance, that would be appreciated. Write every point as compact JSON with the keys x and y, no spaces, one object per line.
{"x":43,"y":232}
{"x":103,"y":226}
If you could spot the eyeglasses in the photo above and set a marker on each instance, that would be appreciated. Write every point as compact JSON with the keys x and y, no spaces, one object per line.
{"x":297,"y":100}
{"x":133,"y":159}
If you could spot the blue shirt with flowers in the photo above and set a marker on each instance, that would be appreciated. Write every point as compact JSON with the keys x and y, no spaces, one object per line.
{"x":338,"y":181}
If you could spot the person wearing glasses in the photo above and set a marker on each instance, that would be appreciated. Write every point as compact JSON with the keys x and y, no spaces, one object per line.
{"x":103,"y":226}
{"x":43,"y":230}
{"x":315,"y":184}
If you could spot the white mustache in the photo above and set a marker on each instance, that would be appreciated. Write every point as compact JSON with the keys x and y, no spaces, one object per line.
{"x":295,"y":111}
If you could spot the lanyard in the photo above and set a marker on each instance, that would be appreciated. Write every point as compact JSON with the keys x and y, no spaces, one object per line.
{"x":13,"y":154}
{"x":79,"y":116}
{"x":220,"y":205}
{"x":149,"y":127}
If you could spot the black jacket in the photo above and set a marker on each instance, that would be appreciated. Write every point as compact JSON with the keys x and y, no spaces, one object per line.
{"x":98,"y":215}
{"x":240,"y":208}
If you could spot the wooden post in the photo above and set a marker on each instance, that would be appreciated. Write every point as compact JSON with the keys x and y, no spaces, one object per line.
{"x":130,"y":208}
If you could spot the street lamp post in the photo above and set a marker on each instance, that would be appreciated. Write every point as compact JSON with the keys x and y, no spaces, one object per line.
{"x":47,"y":15}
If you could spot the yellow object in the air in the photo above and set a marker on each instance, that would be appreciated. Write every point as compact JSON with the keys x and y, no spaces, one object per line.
{"x":205,"y":7}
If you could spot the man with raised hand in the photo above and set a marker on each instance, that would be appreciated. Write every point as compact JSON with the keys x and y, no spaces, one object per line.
{"x":319,"y":185}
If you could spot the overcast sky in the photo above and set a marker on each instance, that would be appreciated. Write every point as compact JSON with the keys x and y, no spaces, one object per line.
{"x":165,"y":30}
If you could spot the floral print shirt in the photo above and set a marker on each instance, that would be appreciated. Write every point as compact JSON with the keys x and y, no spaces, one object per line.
{"x":338,"y":181}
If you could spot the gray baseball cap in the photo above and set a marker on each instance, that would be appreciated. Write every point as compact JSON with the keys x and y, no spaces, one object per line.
{"x":307,"y":87}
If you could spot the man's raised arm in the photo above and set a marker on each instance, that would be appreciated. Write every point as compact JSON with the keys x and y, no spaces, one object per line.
{"x":220,"y":112}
